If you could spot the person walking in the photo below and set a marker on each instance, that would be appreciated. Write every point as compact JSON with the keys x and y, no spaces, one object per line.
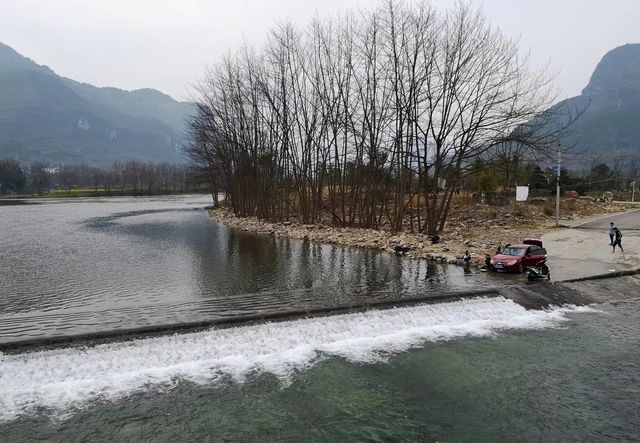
{"x":617,"y":240}
{"x":612,"y":233}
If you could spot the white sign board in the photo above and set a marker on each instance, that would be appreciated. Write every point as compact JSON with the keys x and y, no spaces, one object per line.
{"x":522,"y":193}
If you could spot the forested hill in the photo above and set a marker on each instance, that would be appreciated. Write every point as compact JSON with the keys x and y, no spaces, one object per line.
{"x":611,"y":123}
{"x":44,"y":116}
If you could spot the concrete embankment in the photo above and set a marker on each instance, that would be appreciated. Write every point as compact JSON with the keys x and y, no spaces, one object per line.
{"x":239,"y":320}
{"x":583,"y":291}
{"x":531,"y":296}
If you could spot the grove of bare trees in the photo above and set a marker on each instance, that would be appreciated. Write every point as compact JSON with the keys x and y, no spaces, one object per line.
{"x":368,"y":119}
{"x":131,"y":177}
{"x":139,"y":177}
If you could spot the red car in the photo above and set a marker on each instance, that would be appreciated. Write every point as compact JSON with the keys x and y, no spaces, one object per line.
{"x":514,"y":258}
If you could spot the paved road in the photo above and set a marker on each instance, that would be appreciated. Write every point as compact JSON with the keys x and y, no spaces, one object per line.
{"x":575,"y":253}
{"x":627,"y":221}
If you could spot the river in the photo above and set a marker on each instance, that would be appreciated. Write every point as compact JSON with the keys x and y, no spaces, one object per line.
{"x":82,"y":266}
{"x":473,"y":370}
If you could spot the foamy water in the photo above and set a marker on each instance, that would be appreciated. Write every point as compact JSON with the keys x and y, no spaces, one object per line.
{"x":62,"y":380}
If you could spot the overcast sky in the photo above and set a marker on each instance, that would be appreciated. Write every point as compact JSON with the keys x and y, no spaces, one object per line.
{"x":166,"y":44}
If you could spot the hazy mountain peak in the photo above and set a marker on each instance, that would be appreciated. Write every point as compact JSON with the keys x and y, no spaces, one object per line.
{"x":10,"y":59}
{"x":151,"y":93}
{"x":7,"y":52}
{"x":610,"y":125}
{"x":619,"y":69}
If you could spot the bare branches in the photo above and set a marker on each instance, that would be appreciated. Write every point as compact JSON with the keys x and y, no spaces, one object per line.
{"x":369,"y":119}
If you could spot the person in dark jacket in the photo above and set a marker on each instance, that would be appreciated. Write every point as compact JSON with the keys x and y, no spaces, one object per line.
{"x":617,"y":240}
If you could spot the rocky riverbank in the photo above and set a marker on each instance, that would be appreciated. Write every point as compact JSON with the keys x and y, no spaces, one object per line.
{"x":479,"y":229}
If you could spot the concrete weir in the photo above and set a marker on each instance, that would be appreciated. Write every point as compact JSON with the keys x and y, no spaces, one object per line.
{"x":531,"y":296}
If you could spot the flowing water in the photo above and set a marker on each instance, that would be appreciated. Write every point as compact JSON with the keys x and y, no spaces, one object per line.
{"x":474,"y":370}
{"x":484,"y":369}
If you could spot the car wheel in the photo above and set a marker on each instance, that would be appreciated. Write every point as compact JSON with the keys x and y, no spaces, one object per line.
{"x":520,"y":268}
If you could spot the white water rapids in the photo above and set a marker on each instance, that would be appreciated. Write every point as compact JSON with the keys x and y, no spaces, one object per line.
{"x":61,"y":380}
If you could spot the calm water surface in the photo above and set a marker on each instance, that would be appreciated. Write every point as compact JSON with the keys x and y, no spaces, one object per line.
{"x":81,"y":266}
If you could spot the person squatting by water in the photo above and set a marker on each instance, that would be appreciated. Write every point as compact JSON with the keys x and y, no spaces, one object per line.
{"x":612,"y":233}
{"x":617,"y":240}
{"x":466,"y":258}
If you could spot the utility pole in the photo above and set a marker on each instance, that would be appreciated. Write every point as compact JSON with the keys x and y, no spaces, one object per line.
{"x":558,"y":187}
{"x":633,"y":191}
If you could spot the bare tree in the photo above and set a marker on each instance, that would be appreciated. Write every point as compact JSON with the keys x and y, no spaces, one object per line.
{"x":369,"y":119}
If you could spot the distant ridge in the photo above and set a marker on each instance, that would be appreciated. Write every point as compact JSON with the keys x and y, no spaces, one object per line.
{"x":44,"y":116}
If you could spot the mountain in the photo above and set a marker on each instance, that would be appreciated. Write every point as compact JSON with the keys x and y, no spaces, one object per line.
{"x":611,"y":122}
{"x":44,"y":116}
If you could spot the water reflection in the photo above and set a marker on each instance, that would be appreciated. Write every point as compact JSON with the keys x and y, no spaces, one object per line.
{"x":119,"y":263}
